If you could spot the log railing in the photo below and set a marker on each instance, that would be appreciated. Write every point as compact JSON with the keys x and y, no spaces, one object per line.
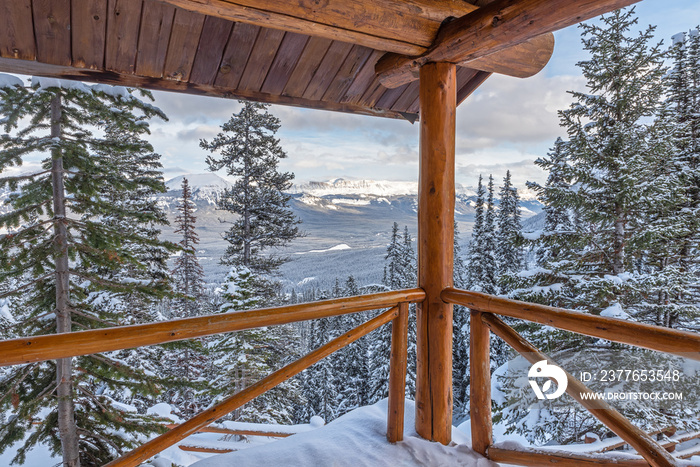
{"x":483,"y":321}
{"x":55,"y":346}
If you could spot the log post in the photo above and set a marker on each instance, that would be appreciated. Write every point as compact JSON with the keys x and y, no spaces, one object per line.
{"x":435,"y":251}
{"x":480,"y":384}
{"x":397,"y":375}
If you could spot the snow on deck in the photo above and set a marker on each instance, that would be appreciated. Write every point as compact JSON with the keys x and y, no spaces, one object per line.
{"x":358,"y":438}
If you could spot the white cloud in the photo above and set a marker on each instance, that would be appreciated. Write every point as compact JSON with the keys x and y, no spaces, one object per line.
{"x":522,"y":112}
{"x":521,"y":172}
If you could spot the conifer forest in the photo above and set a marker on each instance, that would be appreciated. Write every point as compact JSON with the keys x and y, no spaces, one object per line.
{"x":81,"y":247}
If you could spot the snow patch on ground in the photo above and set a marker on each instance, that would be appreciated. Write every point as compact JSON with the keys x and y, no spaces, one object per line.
{"x":351,"y":202}
{"x":356,"y":438}
{"x":340,"y":247}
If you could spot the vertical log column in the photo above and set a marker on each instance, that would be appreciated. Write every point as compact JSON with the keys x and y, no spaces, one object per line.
{"x":435,"y":250}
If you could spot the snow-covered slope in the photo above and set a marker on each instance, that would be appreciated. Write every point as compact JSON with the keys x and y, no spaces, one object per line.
{"x":358,"y":438}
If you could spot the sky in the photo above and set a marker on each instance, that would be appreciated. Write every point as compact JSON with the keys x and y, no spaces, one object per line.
{"x":506,"y":124}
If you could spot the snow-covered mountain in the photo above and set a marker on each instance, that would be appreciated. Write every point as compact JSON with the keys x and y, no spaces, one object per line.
{"x":382,"y":188}
{"x":204,"y":187}
{"x":347,"y":224}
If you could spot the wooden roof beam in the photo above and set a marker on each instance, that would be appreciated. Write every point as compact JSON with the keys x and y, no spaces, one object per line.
{"x":491,"y":30}
{"x":33,"y":68}
{"x":399,"y":26}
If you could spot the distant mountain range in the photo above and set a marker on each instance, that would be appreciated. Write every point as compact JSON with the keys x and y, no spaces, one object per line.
{"x":347,"y":224}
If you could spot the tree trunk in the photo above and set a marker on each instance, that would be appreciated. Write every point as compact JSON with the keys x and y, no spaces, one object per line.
{"x":64,"y":372}
{"x":619,"y":242}
{"x":246,"y":208}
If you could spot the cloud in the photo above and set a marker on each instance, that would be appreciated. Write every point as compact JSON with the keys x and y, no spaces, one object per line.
{"x":521,"y":172}
{"x":198,"y":132}
{"x":522,"y":112}
{"x":188,"y":109}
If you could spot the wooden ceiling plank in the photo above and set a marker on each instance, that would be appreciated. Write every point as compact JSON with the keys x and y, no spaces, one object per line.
{"x":399,"y":26}
{"x":415,"y":107}
{"x":17,"y":30}
{"x":237,"y":54}
{"x":123,"y":21}
{"x":471,"y":85}
{"x":314,"y":52}
{"x":327,"y":70}
{"x":52,"y":24}
{"x":347,"y":73}
{"x":406,"y":27}
{"x":184,"y":39}
{"x":210,"y":51}
{"x":264,"y":51}
{"x":287,"y":58}
{"x":154,"y":37}
{"x":373,"y":93}
{"x":407,"y":98}
{"x":123,"y":79}
{"x":88,"y":29}
{"x":390,"y":97}
{"x":363,"y":79}
{"x":494,"y":28}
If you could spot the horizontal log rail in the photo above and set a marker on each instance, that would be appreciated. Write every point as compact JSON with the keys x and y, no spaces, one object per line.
{"x":189,"y":448}
{"x":229,"y":431}
{"x":656,"y":455}
{"x":210,"y":415}
{"x":538,"y":458}
{"x":55,"y":346}
{"x":671,"y":442}
{"x":483,"y":310}
{"x":683,"y":343}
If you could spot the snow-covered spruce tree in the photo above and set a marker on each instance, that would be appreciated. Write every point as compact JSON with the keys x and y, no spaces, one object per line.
{"x":489,"y":267}
{"x":250,"y":153}
{"x":245,"y":357}
{"x":187,"y":360}
{"x":61,"y":253}
{"x":394,"y":259}
{"x":460,"y":332}
{"x":189,"y":275}
{"x":677,"y":219}
{"x":609,"y":206}
{"x":474,"y":270}
{"x":482,"y":261}
{"x":509,"y":253}
{"x":401,"y":273}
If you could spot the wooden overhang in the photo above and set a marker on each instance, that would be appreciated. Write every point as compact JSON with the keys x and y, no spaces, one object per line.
{"x":307,"y":53}
{"x":357,"y":56}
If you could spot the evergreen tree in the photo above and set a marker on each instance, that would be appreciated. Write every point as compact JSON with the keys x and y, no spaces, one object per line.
{"x":394,"y":260}
{"x":509,"y":254}
{"x":63,"y":252}
{"x":489,"y":267}
{"x":460,"y":332}
{"x":246,"y":357}
{"x":250,"y":152}
{"x":475,"y":271}
{"x":189,"y":275}
{"x":614,"y":217}
{"x":187,"y":360}
{"x":482,"y":261}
